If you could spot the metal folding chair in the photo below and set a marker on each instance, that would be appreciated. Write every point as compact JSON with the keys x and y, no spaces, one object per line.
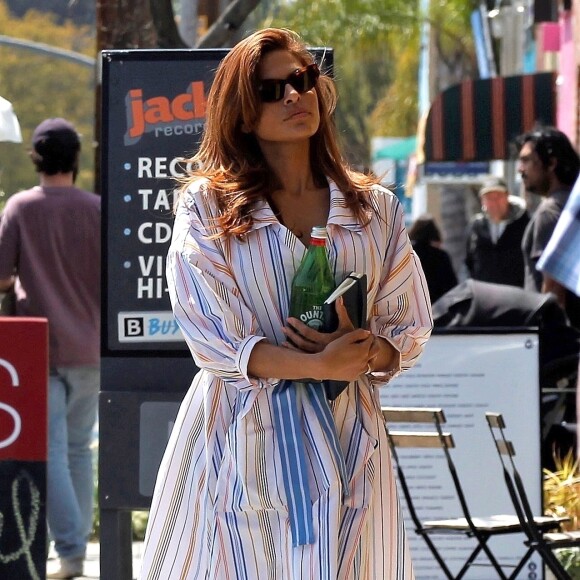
{"x":537,"y":538}
{"x":479,"y":528}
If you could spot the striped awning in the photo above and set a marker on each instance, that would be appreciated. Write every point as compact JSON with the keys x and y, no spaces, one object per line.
{"x":478,"y":119}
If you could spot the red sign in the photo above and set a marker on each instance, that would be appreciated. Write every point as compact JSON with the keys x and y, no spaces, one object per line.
{"x":23,"y":388}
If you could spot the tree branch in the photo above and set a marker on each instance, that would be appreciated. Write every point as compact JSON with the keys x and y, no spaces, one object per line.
{"x":164,"y":20}
{"x":227,"y":23}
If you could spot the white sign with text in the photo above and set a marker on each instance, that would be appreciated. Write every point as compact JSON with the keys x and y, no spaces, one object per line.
{"x":467,"y":375}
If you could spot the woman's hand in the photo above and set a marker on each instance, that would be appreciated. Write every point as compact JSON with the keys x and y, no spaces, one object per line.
{"x":344,"y":354}
{"x":347,"y":357}
{"x":306,"y":339}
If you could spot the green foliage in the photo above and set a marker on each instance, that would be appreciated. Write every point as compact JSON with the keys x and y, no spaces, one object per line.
{"x":562,"y":490}
{"x":451,"y":21}
{"x":39,"y":87}
{"x":355,"y":24}
{"x":139,"y":521}
{"x":562,"y":499}
{"x":396,"y":113}
{"x":79,"y":11}
{"x":570,"y":560}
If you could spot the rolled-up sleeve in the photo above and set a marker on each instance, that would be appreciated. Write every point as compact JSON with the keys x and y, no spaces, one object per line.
{"x":401,"y":312}
{"x":219,"y":328}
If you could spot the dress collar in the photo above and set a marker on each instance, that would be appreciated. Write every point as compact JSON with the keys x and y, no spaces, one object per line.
{"x":339,"y":214}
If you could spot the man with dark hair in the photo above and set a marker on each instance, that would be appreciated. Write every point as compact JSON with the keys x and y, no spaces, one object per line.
{"x":50,"y":249}
{"x":549,"y":166}
{"x":494,"y":236}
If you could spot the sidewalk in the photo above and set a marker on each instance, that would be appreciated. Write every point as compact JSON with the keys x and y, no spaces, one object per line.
{"x":92,"y":567}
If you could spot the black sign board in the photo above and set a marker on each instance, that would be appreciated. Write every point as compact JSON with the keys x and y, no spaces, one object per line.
{"x":23,"y":512}
{"x":153,"y":118}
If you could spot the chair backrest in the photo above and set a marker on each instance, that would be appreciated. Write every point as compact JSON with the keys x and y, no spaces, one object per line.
{"x":421,"y":439}
{"x":514,"y":482}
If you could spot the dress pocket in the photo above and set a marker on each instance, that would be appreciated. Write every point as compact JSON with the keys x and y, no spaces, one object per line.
{"x":249,"y":477}
{"x":360,"y":449}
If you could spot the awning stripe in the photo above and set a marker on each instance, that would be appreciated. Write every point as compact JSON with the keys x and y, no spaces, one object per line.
{"x":477,"y":120}
{"x":498,"y":111}
{"x":529,"y":108}
{"x":467,"y":117}
{"x":544,"y":99}
{"x":438,"y":128}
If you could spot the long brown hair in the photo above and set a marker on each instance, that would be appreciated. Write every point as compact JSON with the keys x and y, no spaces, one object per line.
{"x":231,"y":159}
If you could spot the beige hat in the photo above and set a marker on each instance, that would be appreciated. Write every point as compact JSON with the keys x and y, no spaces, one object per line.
{"x":493,"y":184}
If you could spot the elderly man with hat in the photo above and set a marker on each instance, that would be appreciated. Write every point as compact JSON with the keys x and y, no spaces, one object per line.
{"x":50,"y":249}
{"x":494,"y":236}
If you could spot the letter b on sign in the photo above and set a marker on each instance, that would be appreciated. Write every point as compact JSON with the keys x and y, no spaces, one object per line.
{"x":134,"y":327}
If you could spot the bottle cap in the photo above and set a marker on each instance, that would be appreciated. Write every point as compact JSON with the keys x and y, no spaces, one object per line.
{"x":319,"y":232}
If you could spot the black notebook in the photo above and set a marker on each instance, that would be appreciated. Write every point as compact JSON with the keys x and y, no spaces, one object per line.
{"x":353,"y":290}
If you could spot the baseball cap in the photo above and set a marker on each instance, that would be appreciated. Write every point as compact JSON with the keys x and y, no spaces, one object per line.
{"x":493,"y":184}
{"x":55,"y":132}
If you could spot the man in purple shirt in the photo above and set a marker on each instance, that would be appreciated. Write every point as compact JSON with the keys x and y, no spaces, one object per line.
{"x":50,"y":250}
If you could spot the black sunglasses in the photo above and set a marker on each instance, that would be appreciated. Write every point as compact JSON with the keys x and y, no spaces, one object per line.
{"x":302,"y":80}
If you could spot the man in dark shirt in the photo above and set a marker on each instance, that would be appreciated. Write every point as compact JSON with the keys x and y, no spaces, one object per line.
{"x":549,"y":166}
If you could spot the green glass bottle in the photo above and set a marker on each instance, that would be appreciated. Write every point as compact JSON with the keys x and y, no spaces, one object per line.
{"x":313,"y":282}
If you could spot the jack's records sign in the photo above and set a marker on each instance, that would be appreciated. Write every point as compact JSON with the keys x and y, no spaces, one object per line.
{"x":152,"y":124}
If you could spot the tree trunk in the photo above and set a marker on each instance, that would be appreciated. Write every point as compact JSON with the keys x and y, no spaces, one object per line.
{"x":164,"y":20}
{"x":125,"y":24}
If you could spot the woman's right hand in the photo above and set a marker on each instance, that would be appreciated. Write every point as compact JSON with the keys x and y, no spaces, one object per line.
{"x":347,"y":357}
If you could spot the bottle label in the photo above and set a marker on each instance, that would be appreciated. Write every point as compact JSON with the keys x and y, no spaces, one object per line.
{"x":313,"y":317}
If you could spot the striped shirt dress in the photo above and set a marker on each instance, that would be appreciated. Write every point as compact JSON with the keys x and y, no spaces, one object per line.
{"x":220,"y":509}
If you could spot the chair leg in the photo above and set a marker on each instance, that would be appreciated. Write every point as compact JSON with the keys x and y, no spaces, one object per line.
{"x":481,"y":546}
{"x":469,"y":561}
{"x":522,"y":563}
{"x":437,"y":557}
{"x":492,"y":559}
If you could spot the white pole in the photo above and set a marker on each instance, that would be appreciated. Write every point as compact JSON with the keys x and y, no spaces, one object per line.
{"x":424,"y":96}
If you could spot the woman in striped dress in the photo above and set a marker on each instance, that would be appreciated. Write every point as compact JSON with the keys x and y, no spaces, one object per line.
{"x":226,"y":504}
